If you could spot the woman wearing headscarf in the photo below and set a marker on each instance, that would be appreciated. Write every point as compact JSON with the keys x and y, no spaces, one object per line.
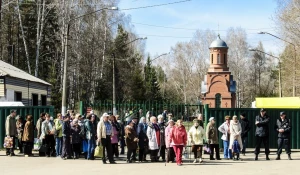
{"x":225,"y":130}
{"x":196,"y":136}
{"x":131,"y":140}
{"x":143,"y":139}
{"x":235,"y":135}
{"x":75,"y":138}
{"x":169,"y":146}
{"x":28,"y":136}
{"x":153,"y":134}
{"x":178,"y":138}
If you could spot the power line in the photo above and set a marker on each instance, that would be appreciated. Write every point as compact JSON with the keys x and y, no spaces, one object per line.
{"x":158,"y":5}
{"x":178,"y":28}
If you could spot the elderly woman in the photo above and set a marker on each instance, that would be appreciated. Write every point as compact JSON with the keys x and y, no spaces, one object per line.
{"x":131,"y":140}
{"x":153,"y":134}
{"x":212,"y":138}
{"x":196,"y":136}
{"x":75,"y":138}
{"x":225,"y":130}
{"x":178,"y":138}
{"x":28,"y":136}
{"x":143,"y":139}
{"x":20,"y":128}
{"x":115,"y":138}
{"x":162,"y":127}
{"x":169,"y":146}
{"x":235,"y":130}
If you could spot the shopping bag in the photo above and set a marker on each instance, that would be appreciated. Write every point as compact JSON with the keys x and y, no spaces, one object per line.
{"x":8,"y":142}
{"x":99,"y":151}
{"x":37,"y":144}
{"x":206,"y":149}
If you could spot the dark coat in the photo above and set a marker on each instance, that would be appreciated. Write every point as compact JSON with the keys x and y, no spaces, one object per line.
{"x":90,"y":131}
{"x":162,"y":128}
{"x":142,"y":134}
{"x":66,"y":129}
{"x":262,"y":128}
{"x":75,"y":133}
{"x":130,"y":136}
{"x":286,"y":125}
{"x":245,"y":124}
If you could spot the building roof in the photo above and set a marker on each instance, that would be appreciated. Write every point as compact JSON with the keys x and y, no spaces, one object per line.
{"x":218,"y":43}
{"x":12,"y":71}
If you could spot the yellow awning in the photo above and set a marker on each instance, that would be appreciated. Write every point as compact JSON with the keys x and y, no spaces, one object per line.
{"x":284,"y":102}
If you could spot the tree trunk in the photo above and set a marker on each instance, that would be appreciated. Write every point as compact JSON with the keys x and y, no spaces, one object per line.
{"x":24,"y":40}
{"x":40,"y":27}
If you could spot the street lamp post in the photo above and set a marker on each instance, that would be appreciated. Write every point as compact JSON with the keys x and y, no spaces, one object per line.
{"x":295,"y":58}
{"x":114,"y":77}
{"x":64,"y":92}
{"x":279,"y":72}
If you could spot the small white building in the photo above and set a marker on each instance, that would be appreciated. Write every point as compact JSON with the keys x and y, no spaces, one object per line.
{"x":17,"y":85}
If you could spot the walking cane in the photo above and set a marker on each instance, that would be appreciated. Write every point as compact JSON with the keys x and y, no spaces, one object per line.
{"x":166,"y":157}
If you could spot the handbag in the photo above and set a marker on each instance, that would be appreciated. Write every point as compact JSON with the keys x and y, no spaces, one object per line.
{"x":43,"y":148}
{"x":99,"y":151}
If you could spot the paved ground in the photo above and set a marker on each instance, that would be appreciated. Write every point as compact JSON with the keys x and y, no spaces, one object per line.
{"x":21,"y":165}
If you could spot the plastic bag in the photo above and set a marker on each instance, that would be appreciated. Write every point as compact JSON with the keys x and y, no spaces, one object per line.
{"x":8,"y":142}
{"x":99,"y":151}
{"x":37,"y":144}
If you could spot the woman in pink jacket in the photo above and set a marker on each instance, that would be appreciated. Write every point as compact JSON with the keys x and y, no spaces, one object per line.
{"x":169,"y":146}
{"x":178,"y":138}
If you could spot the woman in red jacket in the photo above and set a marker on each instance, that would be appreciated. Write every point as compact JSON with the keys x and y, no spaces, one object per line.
{"x":178,"y":138}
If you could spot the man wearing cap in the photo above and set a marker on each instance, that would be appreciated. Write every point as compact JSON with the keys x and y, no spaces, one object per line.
{"x":104,"y":134}
{"x":212,"y":138}
{"x":262,"y":133}
{"x":11,"y":131}
{"x":283,"y":127}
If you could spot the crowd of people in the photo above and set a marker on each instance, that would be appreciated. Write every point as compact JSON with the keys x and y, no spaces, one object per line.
{"x":73,"y":136}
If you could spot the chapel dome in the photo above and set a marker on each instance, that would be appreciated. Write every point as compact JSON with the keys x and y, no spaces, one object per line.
{"x":218,"y":43}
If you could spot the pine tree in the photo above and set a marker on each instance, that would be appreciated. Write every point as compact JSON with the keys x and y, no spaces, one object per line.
{"x":152,"y":84}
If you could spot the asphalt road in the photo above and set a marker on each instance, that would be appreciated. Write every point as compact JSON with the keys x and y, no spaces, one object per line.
{"x":20,"y":165}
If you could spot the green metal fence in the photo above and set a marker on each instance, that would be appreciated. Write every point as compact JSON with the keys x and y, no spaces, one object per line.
{"x":142,"y":107}
{"x":22,"y":111}
{"x":292,"y":114}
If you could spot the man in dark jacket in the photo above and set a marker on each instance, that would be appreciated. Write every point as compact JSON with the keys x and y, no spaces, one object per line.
{"x":66,"y":133}
{"x":283,"y":127}
{"x":262,"y":133}
{"x":245,"y":124}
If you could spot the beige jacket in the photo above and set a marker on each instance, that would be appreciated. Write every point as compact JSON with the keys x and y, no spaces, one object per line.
{"x":10,"y":126}
{"x":235,"y":134}
{"x":196,"y":136}
{"x":101,"y":130}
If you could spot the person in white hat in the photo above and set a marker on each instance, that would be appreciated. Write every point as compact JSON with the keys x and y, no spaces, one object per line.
{"x":212,"y":138}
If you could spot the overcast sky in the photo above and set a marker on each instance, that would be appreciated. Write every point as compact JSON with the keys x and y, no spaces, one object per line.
{"x":252,"y":15}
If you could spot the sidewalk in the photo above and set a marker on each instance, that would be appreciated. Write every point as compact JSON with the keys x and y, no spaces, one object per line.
{"x":49,"y":166}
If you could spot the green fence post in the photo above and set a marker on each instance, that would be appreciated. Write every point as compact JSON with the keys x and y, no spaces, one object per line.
{"x":81,"y":107}
{"x":206,"y":113}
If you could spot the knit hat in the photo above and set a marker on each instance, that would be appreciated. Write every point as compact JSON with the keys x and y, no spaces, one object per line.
{"x":211,"y":118}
